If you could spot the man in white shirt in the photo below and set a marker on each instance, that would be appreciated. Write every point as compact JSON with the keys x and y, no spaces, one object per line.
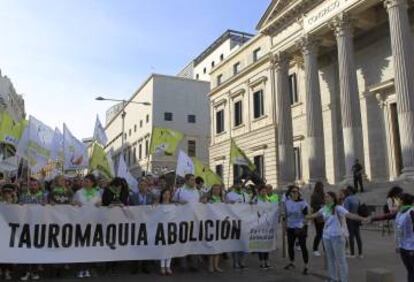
{"x":188,"y":193}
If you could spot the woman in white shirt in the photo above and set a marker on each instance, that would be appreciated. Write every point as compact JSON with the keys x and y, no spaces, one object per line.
{"x":90,"y":196}
{"x":333,"y":236}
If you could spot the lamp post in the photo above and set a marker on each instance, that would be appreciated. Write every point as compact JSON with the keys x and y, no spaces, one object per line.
{"x":124,"y":103}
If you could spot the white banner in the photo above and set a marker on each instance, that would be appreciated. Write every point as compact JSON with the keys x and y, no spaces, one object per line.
{"x":68,"y":234}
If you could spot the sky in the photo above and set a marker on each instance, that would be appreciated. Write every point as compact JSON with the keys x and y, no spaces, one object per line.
{"x":61,"y":54}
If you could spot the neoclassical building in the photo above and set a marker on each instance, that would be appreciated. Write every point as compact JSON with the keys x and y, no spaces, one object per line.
{"x":324,"y":82}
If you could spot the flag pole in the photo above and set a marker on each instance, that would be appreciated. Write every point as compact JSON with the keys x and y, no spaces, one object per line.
{"x":228,"y":171}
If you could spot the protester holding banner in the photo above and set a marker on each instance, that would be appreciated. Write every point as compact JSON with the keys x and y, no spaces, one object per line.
{"x":142,"y":196}
{"x":215,"y":196}
{"x":295,"y":211}
{"x":35,"y":196}
{"x":60,"y":193}
{"x":271,"y":195}
{"x":165,"y":199}
{"x":90,"y":196}
{"x":263,"y":199}
{"x":7,"y":196}
{"x":334,"y":237}
{"x":188,"y":193}
{"x":116,"y":194}
{"x":237,"y":196}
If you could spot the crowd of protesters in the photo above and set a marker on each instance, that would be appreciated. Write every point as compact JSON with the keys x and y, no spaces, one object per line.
{"x":336,"y":218}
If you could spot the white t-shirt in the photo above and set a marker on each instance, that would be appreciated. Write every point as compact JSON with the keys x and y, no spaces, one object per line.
{"x":333,"y":226}
{"x":238,"y":198}
{"x":80,"y":196}
{"x":186,"y":195}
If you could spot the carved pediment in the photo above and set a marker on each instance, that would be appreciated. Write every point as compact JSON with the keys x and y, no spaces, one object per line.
{"x":275,"y":8}
{"x":282,"y":12}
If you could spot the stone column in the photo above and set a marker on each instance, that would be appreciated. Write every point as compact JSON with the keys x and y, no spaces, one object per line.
{"x":284,"y":120}
{"x":314,"y":120}
{"x":349,"y":94}
{"x":402,"y":52}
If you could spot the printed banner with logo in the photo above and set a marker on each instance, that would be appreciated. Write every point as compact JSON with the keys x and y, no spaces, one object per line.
{"x":68,"y":234}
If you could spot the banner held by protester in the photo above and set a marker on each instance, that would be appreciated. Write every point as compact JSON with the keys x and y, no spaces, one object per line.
{"x":67,"y":234}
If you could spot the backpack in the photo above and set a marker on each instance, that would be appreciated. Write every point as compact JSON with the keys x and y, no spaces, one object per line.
{"x":363,"y":210}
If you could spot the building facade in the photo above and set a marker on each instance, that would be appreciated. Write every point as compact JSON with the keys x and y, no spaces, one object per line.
{"x":221,"y":48}
{"x":322,"y":84}
{"x":177,"y":103}
{"x":10,"y":101}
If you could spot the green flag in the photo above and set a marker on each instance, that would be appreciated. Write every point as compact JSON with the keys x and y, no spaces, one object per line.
{"x":165,"y":141}
{"x":99,"y":161}
{"x":10,"y":130}
{"x":238,"y":157}
{"x":209,"y":177}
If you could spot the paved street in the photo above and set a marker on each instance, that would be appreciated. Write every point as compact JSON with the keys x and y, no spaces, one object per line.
{"x":378,"y":253}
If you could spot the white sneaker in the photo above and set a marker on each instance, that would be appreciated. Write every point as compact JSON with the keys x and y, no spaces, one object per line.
{"x":316,"y":253}
{"x":86,"y":274}
{"x":34,"y":276}
{"x":81,"y":274}
{"x":25,"y":277}
{"x":351,"y":256}
{"x":361,"y":256}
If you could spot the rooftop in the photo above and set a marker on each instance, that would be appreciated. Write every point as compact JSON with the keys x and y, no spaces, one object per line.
{"x":242,"y":37}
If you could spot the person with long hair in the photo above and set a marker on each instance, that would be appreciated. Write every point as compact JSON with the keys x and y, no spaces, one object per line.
{"x":317,"y":201}
{"x":334,"y":237}
{"x":393,"y":199}
{"x":295,"y":211}
{"x":90,"y":196}
{"x":215,"y":196}
{"x":116,"y":194}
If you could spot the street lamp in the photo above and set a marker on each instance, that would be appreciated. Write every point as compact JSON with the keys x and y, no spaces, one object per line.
{"x":124,"y":102}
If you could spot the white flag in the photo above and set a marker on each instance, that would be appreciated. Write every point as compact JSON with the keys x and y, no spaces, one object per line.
{"x":185,"y":164}
{"x":124,"y":173}
{"x":75,"y":152}
{"x":57,"y":146}
{"x":36,"y":144}
{"x":99,"y":134}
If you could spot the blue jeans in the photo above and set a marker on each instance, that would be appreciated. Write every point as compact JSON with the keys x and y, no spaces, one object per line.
{"x":335,"y":256}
